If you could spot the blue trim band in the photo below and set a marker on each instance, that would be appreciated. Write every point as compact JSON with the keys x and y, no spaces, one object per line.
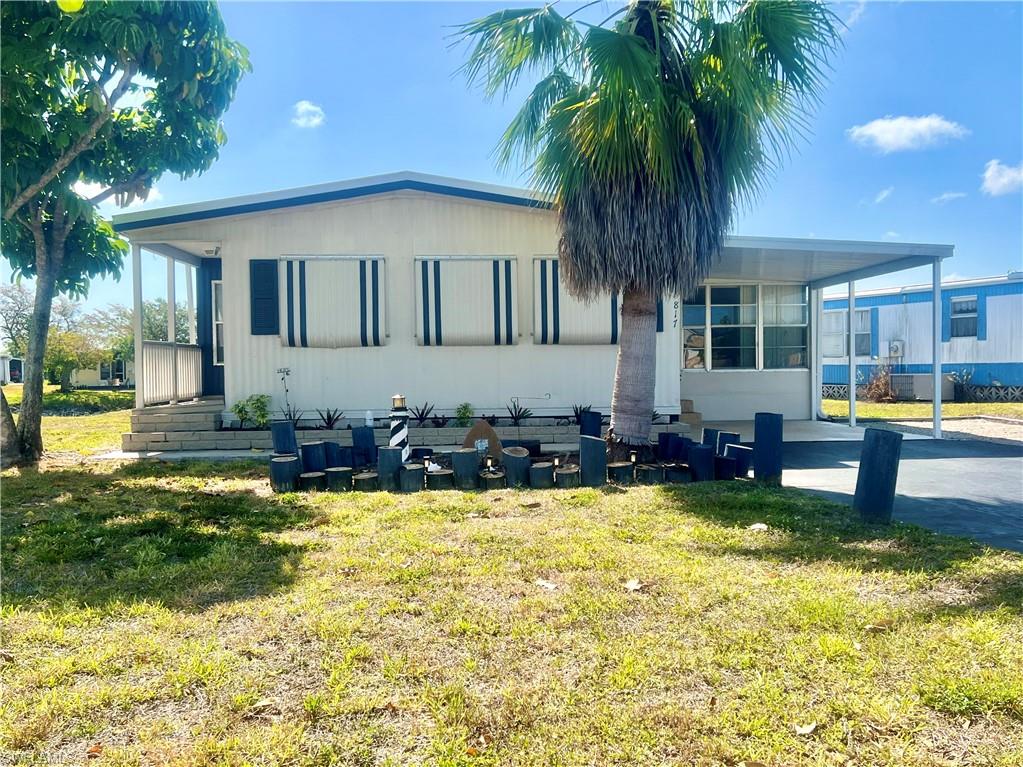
{"x":543,"y":302}
{"x":982,"y":317}
{"x":554,"y":295}
{"x":946,"y":318}
{"x":660,"y":315}
{"x":614,"y":319}
{"x":983,"y":373}
{"x":496,"y":268}
{"x":376,"y":302}
{"x":508,"y":300}
{"x":436,"y":302}
{"x":426,"y":303}
{"x":362,"y":303}
{"x":301,"y":304}
{"x":875,"y":325}
{"x":291,"y":303}
{"x":340,"y":194}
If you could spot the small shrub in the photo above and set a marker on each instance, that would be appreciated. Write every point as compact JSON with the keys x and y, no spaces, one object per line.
{"x":463,"y":414}
{"x":440,"y":421}
{"x":961,"y":380}
{"x":491,"y":419}
{"x":330,"y":417}
{"x":879,"y":388}
{"x":518,"y":413}
{"x":421,"y":414}
{"x":293,"y":414}
{"x":577,"y":413}
{"x":254,"y":409}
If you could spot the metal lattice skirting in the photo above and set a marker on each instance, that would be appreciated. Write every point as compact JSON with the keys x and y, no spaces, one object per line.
{"x":996,"y":393}
{"x":839,"y":391}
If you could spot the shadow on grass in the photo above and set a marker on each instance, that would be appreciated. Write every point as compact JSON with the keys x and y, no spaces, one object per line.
{"x":180,"y":536}
{"x":820,"y":530}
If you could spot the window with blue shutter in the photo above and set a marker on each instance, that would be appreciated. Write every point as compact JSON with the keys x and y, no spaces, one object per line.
{"x":264,"y":316}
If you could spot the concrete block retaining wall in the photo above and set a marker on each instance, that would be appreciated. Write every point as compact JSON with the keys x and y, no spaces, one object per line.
{"x":211,"y":439}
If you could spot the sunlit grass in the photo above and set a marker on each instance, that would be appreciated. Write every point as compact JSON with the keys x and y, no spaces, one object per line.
{"x":181,"y":614}
{"x":56,"y":402}
{"x":893,"y":411}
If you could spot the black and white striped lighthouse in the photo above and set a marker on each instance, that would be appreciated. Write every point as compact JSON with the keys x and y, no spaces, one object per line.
{"x":399,"y":426}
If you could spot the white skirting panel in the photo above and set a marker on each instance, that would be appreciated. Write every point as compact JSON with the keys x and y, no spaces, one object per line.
{"x":736,"y":395}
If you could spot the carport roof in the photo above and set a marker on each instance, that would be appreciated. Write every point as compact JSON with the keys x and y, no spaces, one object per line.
{"x":819,"y":263}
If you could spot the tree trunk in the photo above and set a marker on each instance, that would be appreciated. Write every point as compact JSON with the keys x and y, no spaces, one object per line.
{"x":65,"y":379}
{"x":632,"y":404}
{"x":49,"y":260}
{"x":10,"y":444}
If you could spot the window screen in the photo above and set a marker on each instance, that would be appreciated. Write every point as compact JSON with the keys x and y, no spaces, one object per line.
{"x":466,"y":301}
{"x":332,"y":301}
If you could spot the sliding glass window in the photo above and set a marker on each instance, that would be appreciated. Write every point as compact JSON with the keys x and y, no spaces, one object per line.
{"x":733,"y":326}
{"x":785,"y":326}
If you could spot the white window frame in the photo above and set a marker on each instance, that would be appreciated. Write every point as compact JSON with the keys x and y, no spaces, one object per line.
{"x":845,"y":334}
{"x":217,"y":362}
{"x":708,"y":343}
{"x":953,"y":316}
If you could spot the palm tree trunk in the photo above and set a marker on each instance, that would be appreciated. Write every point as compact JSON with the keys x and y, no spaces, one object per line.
{"x":632,"y":404}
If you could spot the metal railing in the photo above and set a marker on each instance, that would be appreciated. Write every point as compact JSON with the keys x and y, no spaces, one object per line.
{"x":170,"y":372}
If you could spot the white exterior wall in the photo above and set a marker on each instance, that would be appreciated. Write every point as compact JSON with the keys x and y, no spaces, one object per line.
{"x":736,"y":395}
{"x":91,"y":376}
{"x":402,"y":226}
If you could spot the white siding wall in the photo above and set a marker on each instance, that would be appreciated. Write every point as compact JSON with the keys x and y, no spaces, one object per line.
{"x":401,"y":226}
{"x":736,"y":395}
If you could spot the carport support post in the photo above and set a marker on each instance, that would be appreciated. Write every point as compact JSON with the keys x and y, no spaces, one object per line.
{"x":136,"y":321}
{"x":852,"y":353}
{"x":936,"y":348}
{"x":172,"y":330}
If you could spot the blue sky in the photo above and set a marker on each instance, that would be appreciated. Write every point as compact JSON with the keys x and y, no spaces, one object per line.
{"x":923,"y":98}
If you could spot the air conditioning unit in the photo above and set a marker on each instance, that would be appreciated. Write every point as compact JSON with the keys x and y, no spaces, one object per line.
{"x":896,"y":348}
{"x":920,"y":386}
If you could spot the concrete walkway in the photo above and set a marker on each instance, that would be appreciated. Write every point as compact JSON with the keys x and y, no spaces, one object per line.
{"x":961,"y":487}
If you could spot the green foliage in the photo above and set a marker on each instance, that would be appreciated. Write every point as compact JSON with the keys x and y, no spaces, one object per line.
{"x":464,"y":414}
{"x":15,"y":316}
{"x":421,"y":413}
{"x":578,"y":410}
{"x":518,"y":413}
{"x":70,"y":350}
{"x":329,"y":417}
{"x":253,"y":409}
{"x":647,"y":129}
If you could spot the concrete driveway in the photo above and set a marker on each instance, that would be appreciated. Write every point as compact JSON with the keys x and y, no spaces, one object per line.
{"x":961,"y":487}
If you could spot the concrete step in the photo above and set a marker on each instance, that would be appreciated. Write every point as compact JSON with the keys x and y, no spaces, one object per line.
{"x":208,"y":405}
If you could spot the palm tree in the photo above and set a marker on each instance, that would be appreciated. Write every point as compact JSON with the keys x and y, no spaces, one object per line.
{"x":646,"y":131}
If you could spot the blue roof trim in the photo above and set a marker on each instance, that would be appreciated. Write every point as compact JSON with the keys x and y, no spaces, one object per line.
{"x":331,"y":196}
{"x":923,"y":296}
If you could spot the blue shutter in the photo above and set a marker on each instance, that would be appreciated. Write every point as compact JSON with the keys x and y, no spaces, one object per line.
{"x":264,"y":312}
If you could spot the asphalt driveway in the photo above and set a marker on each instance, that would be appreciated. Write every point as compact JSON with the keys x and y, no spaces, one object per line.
{"x":961,"y":487}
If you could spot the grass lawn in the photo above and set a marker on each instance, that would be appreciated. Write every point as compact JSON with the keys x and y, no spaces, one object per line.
{"x":893,"y":411}
{"x":104,"y":417}
{"x":182,"y":615}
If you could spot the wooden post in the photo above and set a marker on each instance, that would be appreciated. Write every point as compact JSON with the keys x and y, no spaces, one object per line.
{"x":701,"y":463}
{"x":312,"y":480}
{"x":494,"y":479}
{"x":724,"y":468}
{"x":768,"y":445}
{"x":650,"y":474}
{"x":592,"y":461}
{"x":411,"y":477}
{"x":365,"y":481}
{"x":465,"y":462}
{"x":743,"y":456}
{"x":314,"y":456}
{"x":388,"y":465}
{"x":443,"y":479}
{"x":339,"y":478}
{"x":541,"y":475}
{"x":516,"y":465}
{"x":877,"y":475}
{"x":284,"y":471}
{"x":677,"y":474}
{"x":620,"y":473}
{"x":567,"y":476}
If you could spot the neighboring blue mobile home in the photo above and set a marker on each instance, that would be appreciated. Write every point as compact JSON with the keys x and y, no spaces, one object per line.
{"x":981,"y":331}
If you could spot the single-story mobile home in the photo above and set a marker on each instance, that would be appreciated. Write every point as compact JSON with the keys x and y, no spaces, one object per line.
{"x":112,"y":372}
{"x":449,"y":291}
{"x":981,"y":333}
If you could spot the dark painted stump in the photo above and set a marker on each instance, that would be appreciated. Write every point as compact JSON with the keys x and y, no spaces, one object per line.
{"x":767,"y":447}
{"x":493,"y":479}
{"x":541,"y":475}
{"x":726,"y":438}
{"x":724,"y":468}
{"x":620,"y":472}
{"x":567,"y":476}
{"x":532,"y":446}
{"x":412,"y":477}
{"x":710,"y":437}
{"x":284,"y":471}
{"x":516,"y":466}
{"x":388,"y":464}
{"x":877,"y":476}
{"x":365,"y":481}
{"x":701,"y":463}
{"x":677,"y":474}
{"x":333,"y":451}
{"x":465,"y":462}
{"x":312,"y":480}
{"x":421,"y":453}
{"x":589,"y":423}
{"x":314,"y":456}
{"x":442,"y":479}
{"x":364,"y":446}
{"x":664,"y":446}
{"x":283,"y":435}
{"x":678,"y":448}
{"x":649,"y":474}
{"x":592,"y":461}
{"x":339,"y":478}
{"x":743,"y":456}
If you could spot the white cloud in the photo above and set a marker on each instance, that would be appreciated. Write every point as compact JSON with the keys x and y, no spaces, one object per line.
{"x":856,"y":13}
{"x":890,"y":235}
{"x":899,"y":134}
{"x":1001,"y":179}
{"x":944,"y":197}
{"x":883,"y":195}
{"x":306,"y":114}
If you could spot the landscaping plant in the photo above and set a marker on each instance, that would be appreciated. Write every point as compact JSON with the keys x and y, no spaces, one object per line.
{"x":463,"y":414}
{"x":645,"y":131}
{"x":329,"y":418}
{"x":518,"y":413}
{"x":421,"y":413}
{"x":577,"y":412}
